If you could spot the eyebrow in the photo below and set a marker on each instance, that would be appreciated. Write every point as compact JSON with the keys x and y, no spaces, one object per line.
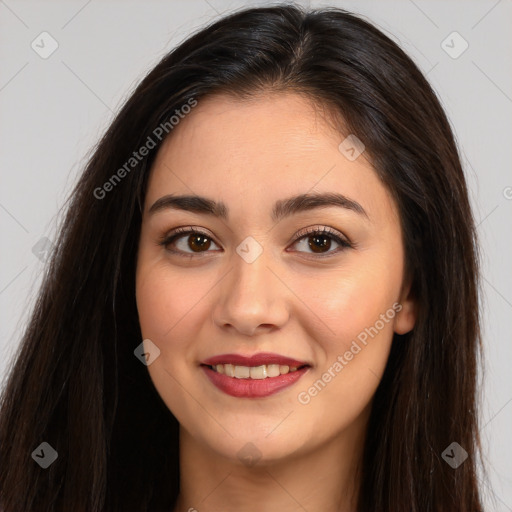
{"x":282,"y":208}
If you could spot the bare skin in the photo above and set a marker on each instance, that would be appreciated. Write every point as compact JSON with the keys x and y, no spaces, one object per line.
{"x":305,"y":301}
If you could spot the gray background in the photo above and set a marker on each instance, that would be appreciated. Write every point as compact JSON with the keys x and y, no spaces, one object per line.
{"x":53,"y":110}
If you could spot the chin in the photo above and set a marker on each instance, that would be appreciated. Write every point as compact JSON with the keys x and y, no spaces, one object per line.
{"x":252,"y":449}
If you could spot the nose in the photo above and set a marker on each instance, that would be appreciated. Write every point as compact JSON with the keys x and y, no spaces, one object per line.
{"x":252,"y":298}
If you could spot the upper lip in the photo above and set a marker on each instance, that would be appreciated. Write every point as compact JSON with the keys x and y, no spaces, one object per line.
{"x":254,"y":360}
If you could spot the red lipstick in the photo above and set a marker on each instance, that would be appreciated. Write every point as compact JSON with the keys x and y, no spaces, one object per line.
{"x":254,"y":360}
{"x":253,"y":387}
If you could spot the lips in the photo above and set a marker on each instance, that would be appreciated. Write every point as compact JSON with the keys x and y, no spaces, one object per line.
{"x":263,"y":358}
{"x":255,"y":376}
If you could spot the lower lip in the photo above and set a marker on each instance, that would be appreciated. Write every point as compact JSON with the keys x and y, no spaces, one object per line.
{"x":253,"y":388}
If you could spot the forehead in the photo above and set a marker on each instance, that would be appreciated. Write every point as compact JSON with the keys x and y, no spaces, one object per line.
{"x":222,"y":124}
{"x":259,"y":150}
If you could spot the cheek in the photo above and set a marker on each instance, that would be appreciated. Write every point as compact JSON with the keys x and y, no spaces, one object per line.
{"x":166,"y":300}
{"x":353,"y":301}
{"x":165,"y":304}
{"x":173,"y":306}
{"x":357,"y":314}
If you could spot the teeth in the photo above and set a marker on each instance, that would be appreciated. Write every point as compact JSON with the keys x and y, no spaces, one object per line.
{"x":253,"y":372}
{"x":258,"y":372}
{"x":229,"y":369}
{"x":242,"y":372}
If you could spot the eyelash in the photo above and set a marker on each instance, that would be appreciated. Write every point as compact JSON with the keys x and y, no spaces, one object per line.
{"x":178,"y":233}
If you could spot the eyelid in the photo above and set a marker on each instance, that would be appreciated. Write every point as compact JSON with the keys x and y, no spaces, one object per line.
{"x":188,"y":229}
{"x":334,"y":233}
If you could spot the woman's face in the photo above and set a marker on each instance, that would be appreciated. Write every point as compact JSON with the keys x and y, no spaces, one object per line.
{"x":256,"y":278}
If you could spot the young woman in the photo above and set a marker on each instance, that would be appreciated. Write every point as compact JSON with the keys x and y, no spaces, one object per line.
{"x":265,"y":291}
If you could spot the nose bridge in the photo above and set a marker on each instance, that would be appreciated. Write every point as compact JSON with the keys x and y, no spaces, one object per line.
{"x":251,"y":296}
{"x":251,"y":277}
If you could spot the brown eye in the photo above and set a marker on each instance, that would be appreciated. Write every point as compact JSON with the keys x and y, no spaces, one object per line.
{"x":198,"y":242}
{"x":319,"y":243}
{"x":187,"y":242}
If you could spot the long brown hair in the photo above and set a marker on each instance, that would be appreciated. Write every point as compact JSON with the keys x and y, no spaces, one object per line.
{"x":76,"y":383}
